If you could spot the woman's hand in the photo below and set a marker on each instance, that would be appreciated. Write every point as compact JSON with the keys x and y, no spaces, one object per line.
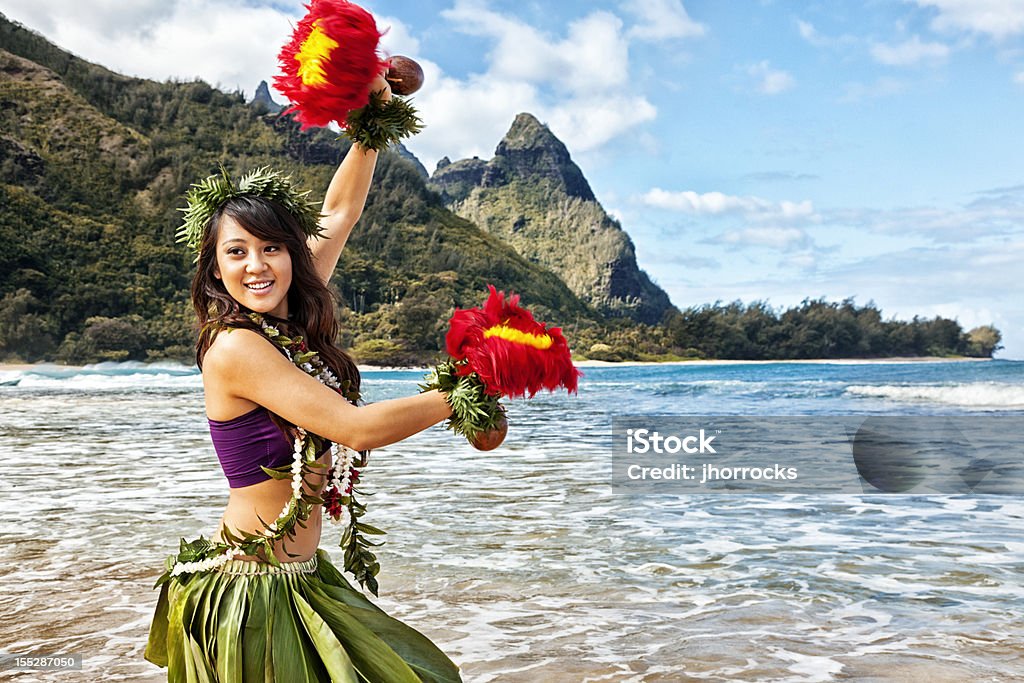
{"x":379,"y":84}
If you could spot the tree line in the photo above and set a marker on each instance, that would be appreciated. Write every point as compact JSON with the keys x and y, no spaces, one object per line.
{"x":815,"y":328}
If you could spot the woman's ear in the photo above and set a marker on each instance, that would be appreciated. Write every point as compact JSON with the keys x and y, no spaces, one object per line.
{"x":216,"y":272}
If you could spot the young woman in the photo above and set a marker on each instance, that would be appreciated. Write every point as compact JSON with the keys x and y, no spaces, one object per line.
{"x":259,"y":601}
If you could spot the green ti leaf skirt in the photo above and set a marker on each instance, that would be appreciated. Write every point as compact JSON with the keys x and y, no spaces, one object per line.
{"x":251,"y":622}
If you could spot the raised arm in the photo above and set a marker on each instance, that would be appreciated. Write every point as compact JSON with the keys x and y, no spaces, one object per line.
{"x":248,"y":366}
{"x":345,"y":199}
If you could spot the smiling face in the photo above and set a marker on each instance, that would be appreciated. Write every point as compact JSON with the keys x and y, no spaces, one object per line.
{"x":256,"y":273}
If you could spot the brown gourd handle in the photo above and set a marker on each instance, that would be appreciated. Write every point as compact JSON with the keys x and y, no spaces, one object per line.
{"x":404,"y":75}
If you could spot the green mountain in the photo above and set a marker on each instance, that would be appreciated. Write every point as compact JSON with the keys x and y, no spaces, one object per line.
{"x":93,"y":170}
{"x":532,"y":195}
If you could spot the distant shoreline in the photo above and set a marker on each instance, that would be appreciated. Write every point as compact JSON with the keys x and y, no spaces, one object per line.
{"x":896,"y":360}
{"x":27,"y":367}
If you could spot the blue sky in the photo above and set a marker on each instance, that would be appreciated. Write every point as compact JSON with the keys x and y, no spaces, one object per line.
{"x":753,"y":150}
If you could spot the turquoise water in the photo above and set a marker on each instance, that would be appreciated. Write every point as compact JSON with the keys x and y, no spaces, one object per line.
{"x":521,"y":563}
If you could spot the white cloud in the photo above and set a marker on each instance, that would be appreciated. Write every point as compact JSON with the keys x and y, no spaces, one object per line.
{"x":805,"y":260}
{"x":397,"y":38}
{"x":997,"y":214}
{"x":662,"y":20}
{"x":909,"y":53}
{"x":809,"y":33}
{"x":219,"y":41}
{"x":883,"y":87}
{"x":997,"y":18}
{"x":938,"y":274}
{"x":111,"y":17}
{"x":813,"y":36}
{"x":590,"y":123}
{"x":594,"y":54}
{"x":1018,"y":78}
{"x":578,"y":83}
{"x":770,"y":81}
{"x":466,"y":118}
{"x":780,"y":238}
{"x":719,"y":204}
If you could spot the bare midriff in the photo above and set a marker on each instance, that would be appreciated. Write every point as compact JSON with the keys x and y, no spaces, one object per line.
{"x":248,"y":504}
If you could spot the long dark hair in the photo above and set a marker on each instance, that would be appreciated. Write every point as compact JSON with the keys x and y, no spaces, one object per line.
{"x":310,"y":302}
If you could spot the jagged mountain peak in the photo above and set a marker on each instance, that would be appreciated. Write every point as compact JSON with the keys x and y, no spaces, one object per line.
{"x":527,"y":132}
{"x":533,"y":196}
{"x":404,"y":152}
{"x":263,"y":96}
{"x":530,"y":151}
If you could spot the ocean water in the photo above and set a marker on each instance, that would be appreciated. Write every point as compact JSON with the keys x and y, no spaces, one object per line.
{"x":521,"y":563}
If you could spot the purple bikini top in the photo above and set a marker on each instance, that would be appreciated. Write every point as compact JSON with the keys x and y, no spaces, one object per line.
{"x":246,"y":442}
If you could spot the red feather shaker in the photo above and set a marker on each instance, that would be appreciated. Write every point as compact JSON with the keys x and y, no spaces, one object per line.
{"x":513,"y":354}
{"x":327,"y":67}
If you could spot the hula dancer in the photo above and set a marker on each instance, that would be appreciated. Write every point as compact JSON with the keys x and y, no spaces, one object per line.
{"x":259,"y":601}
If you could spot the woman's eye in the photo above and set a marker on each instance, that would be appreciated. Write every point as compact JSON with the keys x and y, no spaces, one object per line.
{"x":234,"y":252}
{"x":273,"y":247}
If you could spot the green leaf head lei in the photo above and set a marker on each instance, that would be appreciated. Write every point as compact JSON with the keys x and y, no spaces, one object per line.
{"x":207,"y":196}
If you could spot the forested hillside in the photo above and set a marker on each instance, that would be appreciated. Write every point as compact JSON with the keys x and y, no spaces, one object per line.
{"x":93,"y":172}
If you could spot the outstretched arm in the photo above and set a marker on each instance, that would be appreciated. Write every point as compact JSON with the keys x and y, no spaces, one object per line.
{"x":345,"y":199}
{"x":245,"y":364}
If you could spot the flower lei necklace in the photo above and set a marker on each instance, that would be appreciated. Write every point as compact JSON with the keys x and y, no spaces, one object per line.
{"x":338,"y":498}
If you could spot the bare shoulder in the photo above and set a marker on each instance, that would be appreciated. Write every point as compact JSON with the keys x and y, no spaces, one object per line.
{"x":236,"y":352}
{"x":243,"y":369}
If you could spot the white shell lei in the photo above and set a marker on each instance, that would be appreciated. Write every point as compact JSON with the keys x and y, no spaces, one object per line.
{"x":340,"y":474}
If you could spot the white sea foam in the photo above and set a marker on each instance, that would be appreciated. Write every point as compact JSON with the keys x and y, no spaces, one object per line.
{"x":810,"y":668}
{"x":104,"y":382}
{"x":990,"y":395}
{"x":105,"y":377}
